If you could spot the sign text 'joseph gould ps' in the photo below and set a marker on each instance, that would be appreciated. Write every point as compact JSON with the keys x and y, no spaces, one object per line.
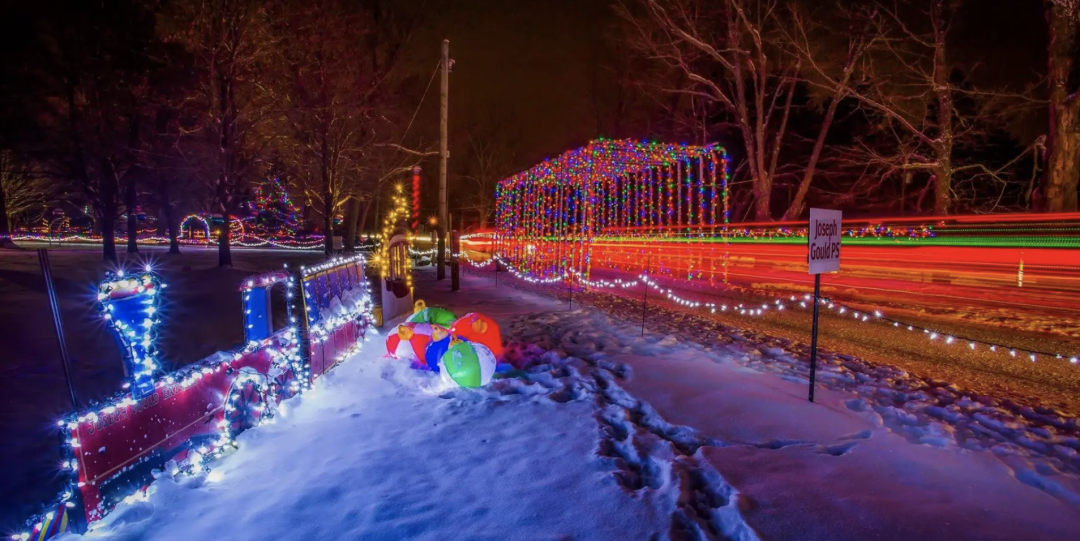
{"x":824,"y":241}
{"x":822,"y":255}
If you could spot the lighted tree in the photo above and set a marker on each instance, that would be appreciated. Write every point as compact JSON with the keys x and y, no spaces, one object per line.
{"x":274,"y":209}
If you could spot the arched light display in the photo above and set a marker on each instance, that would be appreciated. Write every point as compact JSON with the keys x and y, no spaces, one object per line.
{"x":548,"y":216}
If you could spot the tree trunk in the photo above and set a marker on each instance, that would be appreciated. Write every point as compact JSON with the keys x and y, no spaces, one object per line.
{"x":943,"y":92}
{"x":364,"y":215}
{"x":130,"y":199}
{"x":5,"y":231}
{"x":350,"y":225}
{"x":328,"y":204}
{"x":378,"y":209}
{"x":942,"y":186}
{"x":1063,"y":169}
{"x":107,"y":203}
{"x":5,"y":224}
{"x":224,"y":250}
{"x":1063,"y":143}
{"x":227,"y":188}
{"x":762,"y":198}
{"x":170,"y":219}
{"x":108,"y":235}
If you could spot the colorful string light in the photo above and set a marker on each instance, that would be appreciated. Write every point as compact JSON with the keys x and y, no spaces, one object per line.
{"x":547,"y":216}
{"x":804,"y":301}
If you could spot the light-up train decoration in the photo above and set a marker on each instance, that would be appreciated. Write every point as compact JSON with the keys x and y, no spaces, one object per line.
{"x":174,"y":422}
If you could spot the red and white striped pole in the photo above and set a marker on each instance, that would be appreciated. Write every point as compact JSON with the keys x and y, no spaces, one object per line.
{"x":416,"y":199}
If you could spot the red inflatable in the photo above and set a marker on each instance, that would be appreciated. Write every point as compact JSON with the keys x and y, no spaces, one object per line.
{"x":481,"y":329}
{"x":410,"y":340}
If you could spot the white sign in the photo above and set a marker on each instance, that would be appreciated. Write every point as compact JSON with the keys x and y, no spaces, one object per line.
{"x":824,"y":241}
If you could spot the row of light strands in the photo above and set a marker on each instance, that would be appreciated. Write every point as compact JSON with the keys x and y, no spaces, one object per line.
{"x":548,"y":215}
{"x":804,"y":301}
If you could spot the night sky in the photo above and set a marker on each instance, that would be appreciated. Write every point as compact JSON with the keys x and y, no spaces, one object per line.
{"x":537,"y":68}
{"x":523,"y":66}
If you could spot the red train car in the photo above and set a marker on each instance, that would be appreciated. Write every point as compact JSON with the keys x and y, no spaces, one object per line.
{"x":174,"y":422}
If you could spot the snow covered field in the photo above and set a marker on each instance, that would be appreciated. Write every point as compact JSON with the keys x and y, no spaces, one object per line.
{"x":609,"y":435}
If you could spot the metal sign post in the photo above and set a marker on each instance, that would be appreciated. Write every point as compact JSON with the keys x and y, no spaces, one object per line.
{"x":455,"y":254}
{"x":571,"y":290}
{"x":823,"y":255}
{"x":46,"y":270}
{"x":645,"y":295}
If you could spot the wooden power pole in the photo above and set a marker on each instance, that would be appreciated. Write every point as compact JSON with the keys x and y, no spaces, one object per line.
{"x":440,"y":258}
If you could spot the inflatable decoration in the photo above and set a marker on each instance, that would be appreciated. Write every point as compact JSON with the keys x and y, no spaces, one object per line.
{"x":468,"y":364}
{"x":438,"y":316}
{"x":437,"y":348}
{"x":410,"y":341}
{"x":480,"y":329}
{"x":394,"y":341}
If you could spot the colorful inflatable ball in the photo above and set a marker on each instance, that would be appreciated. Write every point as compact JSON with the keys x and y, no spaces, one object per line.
{"x":410,"y":340}
{"x":439,"y":316}
{"x":437,"y":348}
{"x":468,"y":364}
{"x":480,"y":329}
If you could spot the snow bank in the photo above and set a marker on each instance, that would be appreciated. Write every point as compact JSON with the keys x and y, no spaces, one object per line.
{"x":605,"y":434}
{"x":379,"y":451}
{"x":881,"y":455}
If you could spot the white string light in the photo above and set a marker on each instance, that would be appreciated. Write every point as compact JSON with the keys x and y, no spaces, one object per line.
{"x":778,"y":306}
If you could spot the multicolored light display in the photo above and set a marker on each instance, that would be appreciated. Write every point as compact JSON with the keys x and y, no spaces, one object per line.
{"x":548,"y":216}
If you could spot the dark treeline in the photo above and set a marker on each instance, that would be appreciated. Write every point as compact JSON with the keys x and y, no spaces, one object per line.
{"x":177,"y":106}
{"x":914,"y":107}
{"x":883,"y":108}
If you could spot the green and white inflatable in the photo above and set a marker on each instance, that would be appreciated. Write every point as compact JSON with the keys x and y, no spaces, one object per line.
{"x":467,"y":364}
{"x":438,"y":316}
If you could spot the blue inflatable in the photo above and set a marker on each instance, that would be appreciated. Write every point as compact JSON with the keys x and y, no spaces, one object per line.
{"x":435,"y":350}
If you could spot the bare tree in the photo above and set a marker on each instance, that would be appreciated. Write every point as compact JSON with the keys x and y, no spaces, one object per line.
{"x":93,"y":81}
{"x":1063,"y":144}
{"x":26,"y":192}
{"x":491,"y":158}
{"x":732,"y":55}
{"x":821,"y":53}
{"x":906,"y":80}
{"x":231,"y":45}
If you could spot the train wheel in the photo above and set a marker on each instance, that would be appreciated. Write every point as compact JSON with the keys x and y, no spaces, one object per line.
{"x":246,"y":405}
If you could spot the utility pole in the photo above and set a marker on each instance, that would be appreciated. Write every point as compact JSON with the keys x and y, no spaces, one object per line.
{"x":440,"y":258}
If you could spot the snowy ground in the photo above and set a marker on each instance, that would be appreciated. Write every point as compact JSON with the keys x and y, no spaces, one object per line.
{"x":610,"y":435}
{"x":1049,"y":382}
